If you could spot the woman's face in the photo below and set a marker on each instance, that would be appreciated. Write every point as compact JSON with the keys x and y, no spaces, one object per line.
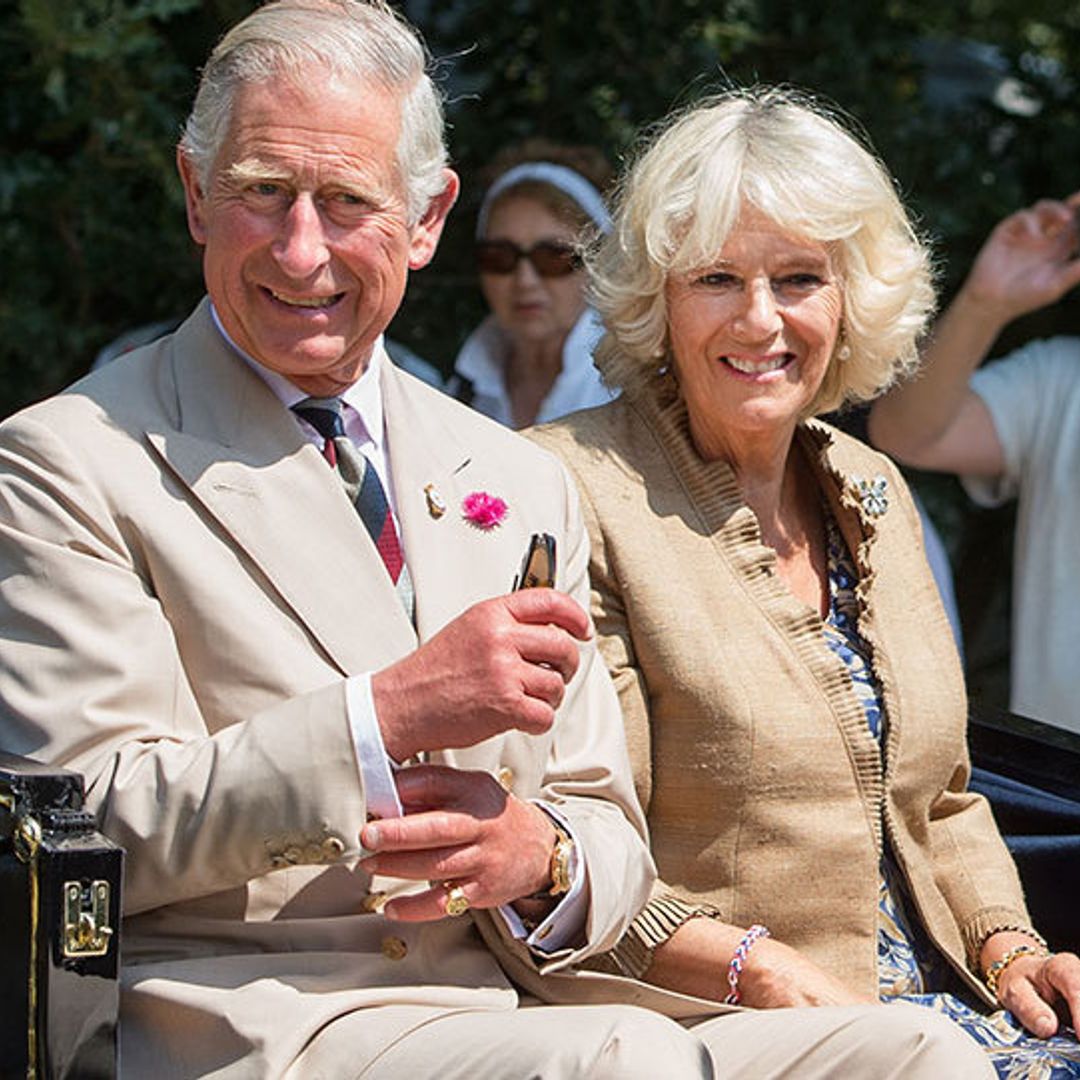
{"x":530,"y":308}
{"x":752,"y":334}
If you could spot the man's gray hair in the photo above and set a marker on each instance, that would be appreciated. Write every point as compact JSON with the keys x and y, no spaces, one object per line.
{"x":358,"y":39}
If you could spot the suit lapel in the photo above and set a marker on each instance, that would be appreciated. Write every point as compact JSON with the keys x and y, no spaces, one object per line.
{"x":246,"y":461}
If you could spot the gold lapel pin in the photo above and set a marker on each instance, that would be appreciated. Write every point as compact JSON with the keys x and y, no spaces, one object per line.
{"x":435,"y":505}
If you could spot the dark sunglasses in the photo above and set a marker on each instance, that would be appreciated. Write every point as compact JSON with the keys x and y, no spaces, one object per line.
{"x":549,"y":258}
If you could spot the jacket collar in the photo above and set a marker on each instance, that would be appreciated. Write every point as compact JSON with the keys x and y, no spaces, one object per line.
{"x":244,"y":458}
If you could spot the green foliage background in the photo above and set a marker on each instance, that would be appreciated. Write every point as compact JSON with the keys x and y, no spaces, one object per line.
{"x":94,"y":92}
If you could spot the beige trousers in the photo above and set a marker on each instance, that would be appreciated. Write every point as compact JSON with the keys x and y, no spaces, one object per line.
{"x":623,"y":1042}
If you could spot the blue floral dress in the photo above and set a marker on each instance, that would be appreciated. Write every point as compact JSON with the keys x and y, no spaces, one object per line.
{"x":908,"y":963}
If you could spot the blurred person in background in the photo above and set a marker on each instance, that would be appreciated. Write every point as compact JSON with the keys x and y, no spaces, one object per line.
{"x":530,"y":360}
{"x":1011,"y":430}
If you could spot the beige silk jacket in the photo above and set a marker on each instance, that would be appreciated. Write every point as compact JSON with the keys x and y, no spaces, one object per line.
{"x":183,"y":588}
{"x":765,"y":792}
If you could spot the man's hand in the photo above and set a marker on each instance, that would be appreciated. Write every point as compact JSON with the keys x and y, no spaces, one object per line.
{"x":502,"y":664}
{"x":1028,"y":261}
{"x":460,"y":827}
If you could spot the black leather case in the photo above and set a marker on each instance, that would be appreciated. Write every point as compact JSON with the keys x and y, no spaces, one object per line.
{"x":60,"y":883}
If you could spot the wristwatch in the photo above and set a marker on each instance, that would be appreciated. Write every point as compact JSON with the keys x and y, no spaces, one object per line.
{"x":560,"y":866}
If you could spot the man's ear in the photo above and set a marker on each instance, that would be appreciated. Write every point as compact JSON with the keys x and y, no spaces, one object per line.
{"x":426,"y":232}
{"x":194,"y":197}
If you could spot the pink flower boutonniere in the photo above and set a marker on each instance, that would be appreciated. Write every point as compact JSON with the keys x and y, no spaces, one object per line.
{"x":483,"y":510}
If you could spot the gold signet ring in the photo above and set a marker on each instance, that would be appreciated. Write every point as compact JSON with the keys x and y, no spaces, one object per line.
{"x":457,"y":903}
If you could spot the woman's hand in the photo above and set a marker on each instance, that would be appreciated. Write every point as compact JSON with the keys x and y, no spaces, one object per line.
{"x":777,"y":976}
{"x":1041,"y":991}
{"x":694,"y":960}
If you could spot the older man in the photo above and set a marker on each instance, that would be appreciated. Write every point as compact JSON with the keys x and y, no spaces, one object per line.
{"x":254,"y":586}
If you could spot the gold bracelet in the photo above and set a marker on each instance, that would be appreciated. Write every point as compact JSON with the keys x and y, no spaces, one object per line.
{"x":997,"y":968}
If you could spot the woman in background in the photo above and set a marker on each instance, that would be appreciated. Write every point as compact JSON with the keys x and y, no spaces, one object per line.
{"x":530,"y":360}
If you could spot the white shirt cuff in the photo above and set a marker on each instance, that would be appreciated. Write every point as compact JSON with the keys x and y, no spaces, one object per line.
{"x":376,"y":773}
{"x":565,"y":923}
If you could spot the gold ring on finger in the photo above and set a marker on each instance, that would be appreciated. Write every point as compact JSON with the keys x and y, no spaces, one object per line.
{"x":457,"y":903}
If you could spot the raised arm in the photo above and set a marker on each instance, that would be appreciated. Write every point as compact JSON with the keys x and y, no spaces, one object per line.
{"x":936,"y":421}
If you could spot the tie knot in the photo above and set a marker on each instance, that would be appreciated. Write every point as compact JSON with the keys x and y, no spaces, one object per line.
{"x":323,"y":414}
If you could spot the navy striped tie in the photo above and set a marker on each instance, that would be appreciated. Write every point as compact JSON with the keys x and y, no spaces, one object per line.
{"x":363,"y":487}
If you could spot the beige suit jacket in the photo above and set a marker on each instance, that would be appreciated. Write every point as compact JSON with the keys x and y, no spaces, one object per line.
{"x":183,"y":588}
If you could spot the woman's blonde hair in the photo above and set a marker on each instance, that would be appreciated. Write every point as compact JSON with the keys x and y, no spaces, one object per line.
{"x":777,"y":150}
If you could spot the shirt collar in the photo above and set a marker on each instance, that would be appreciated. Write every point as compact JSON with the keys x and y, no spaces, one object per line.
{"x":364,"y":396}
{"x":482,"y":359}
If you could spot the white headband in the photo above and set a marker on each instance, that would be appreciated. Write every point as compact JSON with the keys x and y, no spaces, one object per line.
{"x":558,"y":176}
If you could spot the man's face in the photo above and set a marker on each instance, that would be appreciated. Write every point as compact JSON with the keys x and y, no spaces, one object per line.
{"x":307,"y":245}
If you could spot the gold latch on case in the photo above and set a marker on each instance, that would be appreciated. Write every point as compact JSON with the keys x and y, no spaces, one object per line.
{"x":86,"y":919}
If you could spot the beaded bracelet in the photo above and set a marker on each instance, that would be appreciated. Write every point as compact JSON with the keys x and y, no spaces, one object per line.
{"x":997,"y":968}
{"x":738,"y":959}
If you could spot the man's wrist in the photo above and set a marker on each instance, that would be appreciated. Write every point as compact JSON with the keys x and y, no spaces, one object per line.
{"x":393,"y":729}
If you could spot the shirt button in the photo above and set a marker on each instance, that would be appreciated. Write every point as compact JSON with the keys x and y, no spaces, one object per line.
{"x":393,"y":948}
{"x":505,"y":776}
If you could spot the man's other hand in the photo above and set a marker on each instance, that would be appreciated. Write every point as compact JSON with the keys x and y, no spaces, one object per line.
{"x":465,"y":829}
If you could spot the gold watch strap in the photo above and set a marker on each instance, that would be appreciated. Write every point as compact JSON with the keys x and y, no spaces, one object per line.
{"x":561,"y":855}
{"x":560,"y":865}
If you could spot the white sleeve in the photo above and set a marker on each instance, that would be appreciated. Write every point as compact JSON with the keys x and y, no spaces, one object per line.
{"x":1024,"y":393}
{"x":372,"y":759}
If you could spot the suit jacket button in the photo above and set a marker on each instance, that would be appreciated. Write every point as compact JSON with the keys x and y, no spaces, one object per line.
{"x":332,"y":849}
{"x":373,"y":903}
{"x":393,"y":948}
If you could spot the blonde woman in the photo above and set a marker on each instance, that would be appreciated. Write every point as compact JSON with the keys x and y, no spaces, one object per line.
{"x":792,"y":695}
